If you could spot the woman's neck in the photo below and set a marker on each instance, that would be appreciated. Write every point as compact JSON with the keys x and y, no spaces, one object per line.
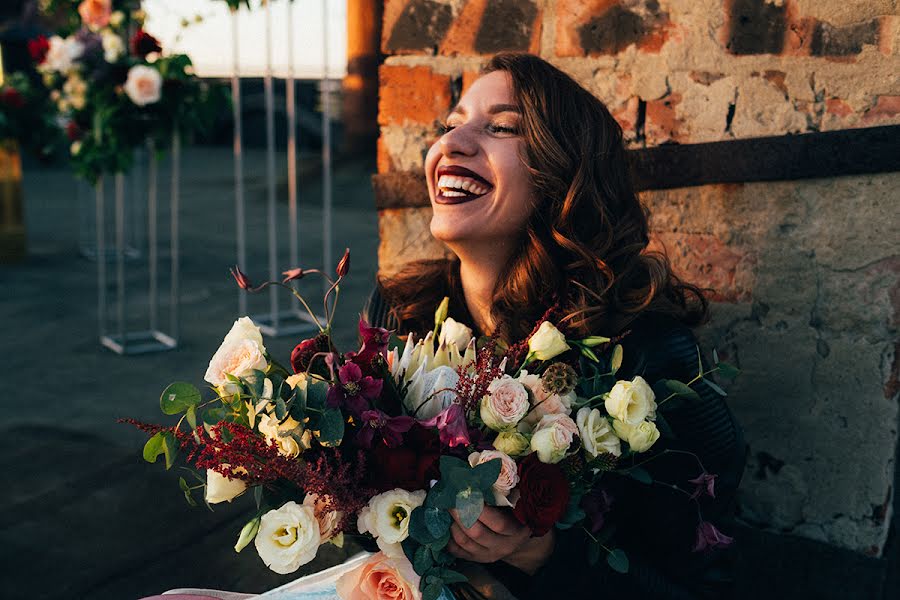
{"x":478,"y":274}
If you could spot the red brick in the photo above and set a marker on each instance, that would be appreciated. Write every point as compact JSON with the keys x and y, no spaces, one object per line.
{"x":383,"y":157}
{"x":597,"y":27}
{"x":836,"y":106}
{"x":705,"y":261}
{"x":460,"y":39}
{"x":662,"y":123}
{"x":886,"y":107}
{"x":412,"y":95}
{"x":627,"y":115}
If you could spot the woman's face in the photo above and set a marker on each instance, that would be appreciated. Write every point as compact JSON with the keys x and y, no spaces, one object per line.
{"x":479,"y":187}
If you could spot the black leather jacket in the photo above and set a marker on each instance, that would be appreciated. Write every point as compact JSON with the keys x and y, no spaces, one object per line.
{"x":657,"y":525}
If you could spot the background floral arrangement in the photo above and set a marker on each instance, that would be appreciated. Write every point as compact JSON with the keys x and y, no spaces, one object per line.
{"x":385,"y":441}
{"x":27,"y":116}
{"x":114,"y":88}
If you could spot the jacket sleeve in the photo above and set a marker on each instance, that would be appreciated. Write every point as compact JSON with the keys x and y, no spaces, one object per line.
{"x":656,"y":524}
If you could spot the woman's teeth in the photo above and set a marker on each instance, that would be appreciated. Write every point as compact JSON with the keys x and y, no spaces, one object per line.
{"x":454,"y":186}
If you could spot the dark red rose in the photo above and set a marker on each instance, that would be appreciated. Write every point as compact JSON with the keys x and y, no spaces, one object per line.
{"x":73,"y":131}
{"x":142,"y":44}
{"x":12,"y":98}
{"x":544,"y":495}
{"x":304,"y":352}
{"x":38,"y":49}
{"x":411,"y":466}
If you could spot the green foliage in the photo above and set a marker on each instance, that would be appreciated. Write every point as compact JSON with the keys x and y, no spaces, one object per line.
{"x":162,"y":443}
{"x":179,"y":397}
{"x":617,"y":560}
{"x":328,"y":428}
{"x":640,"y":474}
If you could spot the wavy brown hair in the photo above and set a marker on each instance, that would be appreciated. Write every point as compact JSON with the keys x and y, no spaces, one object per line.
{"x":584,"y":247}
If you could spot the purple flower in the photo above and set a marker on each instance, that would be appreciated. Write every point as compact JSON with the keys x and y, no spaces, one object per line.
{"x":389,"y":428}
{"x":710,"y":538}
{"x":451,"y":424}
{"x":353,"y":390}
{"x":705,"y":482}
{"x":374,"y":343}
{"x":596,"y":505}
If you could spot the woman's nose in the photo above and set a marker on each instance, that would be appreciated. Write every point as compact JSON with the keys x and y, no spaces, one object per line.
{"x":458,"y":141}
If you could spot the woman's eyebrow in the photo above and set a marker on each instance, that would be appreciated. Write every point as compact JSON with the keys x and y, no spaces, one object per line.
{"x":493,"y":109}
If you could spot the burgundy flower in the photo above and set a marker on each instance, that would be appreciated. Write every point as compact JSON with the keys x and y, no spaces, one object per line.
{"x":305,"y":351}
{"x":38,"y":49}
{"x":142,"y":44}
{"x":374,"y":342}
{"x":12,"y":98}
{"x":451,"y":424}
{"x":242,"y":280}
{"x":705,"y":482}
{"x":544,"y":495}
{"x":710,"y":538}
{"x":409,"y":466}
{"x":391,"y":429}
{"x":343,"y":266}
{"x":596,"y":505}
{"x":354,"y":391}
{"x":73,"y":131}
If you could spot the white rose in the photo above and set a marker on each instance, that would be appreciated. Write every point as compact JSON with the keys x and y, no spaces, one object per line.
{"x":505,"y":404}
{"x":241,"y":352}
{"x":552,"y":437}
{"x":631,"y":401}
{"x":639,"y":437}
{"x":288,"y":537}
{"x":512,"y":443}
{"x":506,"y":480}
{"x":144,"y":85}
{"x":116,"y":18}
{"x":282,"y":434}
{"x":547,"y":342}
{"x":597,"y":436}
{"x":432,"y":391}
{"x":453,"y":331}
{"x":388,"y":514}
{"x":328,"y":519}
{"x":542,"y":401}
{"x":223,"y":489}
{"x":75,"y":148}
{"x":113,"y":46}
{"x":62,"y":53}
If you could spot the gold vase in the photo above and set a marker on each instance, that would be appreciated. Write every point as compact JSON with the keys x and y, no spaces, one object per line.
{"x":12,"y":221}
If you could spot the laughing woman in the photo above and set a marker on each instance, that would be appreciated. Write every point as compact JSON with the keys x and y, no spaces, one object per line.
{"x":531,"y":194}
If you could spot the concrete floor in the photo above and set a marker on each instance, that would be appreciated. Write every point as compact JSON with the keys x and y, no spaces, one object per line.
{"x":83,"y":515}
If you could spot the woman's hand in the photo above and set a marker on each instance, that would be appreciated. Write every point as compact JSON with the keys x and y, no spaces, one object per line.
{"x":497,"y":535}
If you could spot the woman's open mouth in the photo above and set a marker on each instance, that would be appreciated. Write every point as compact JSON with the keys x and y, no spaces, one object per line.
{"x":456,"y":185}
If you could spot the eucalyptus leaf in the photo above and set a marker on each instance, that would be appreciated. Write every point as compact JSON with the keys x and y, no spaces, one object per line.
{"x":617,"y":560}
{"x":154,"y":447}
{"x":191,"y":416}
{"x":330,"y":430}
{"x":728,"y":371}
{"x":714,"y":387}
{"x":640,"y":474}
{"x":715,"y":356}
{"x":437,"y":521}
{"x":433,"y":591}
{"x":469,"y":504}
{"x":177,"y":397}
{"x":316,"y":394}
{"x":450,"y":576}
{"x":487,"y":473}
{"x":280,"y":409}
{"x":682,"y":389}
{"x":422,"y":560}
{"x":214,"y":415}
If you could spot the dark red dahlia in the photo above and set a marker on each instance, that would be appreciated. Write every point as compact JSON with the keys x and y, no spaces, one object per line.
{"x":38,"y":49}
{"x":142,"y":44}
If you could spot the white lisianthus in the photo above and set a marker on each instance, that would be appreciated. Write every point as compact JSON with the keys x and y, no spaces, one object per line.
{"x":431,"y":391}
{"x":631,"y":401}
{"x":328,"y":519}
{"x":387,"y":515}
{"x":552,"y":437}
{"x":241,"y":353}
{"x":116,"y":18}
{"x":542,"y":401}
{"x":640,"y":437}
{"x":547,"y":342}
{"x":75,"y":91}
{"x":113,"y":46}
{"x":75,"y":148}
{"x":62,"y":54}
{"x":144,"y":85}
{"x":453,"y":331}
{"x":220,"y":488}
{"x":597,"y":436}
{"x":288,"y":537}
{"x":505,"y":404}
{"x":281,"y":434}
{"x":512,"y":443}
{"x":506,"y":480}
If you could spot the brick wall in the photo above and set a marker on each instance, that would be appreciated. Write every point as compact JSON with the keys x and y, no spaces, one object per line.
{"x":806,"y":272}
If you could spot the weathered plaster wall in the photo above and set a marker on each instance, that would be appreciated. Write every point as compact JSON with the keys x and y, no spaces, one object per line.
{"x":806,"y":274}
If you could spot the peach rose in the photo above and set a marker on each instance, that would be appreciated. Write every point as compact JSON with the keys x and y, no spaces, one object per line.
{"x":380,"y":578}
{"x":95,"y":13}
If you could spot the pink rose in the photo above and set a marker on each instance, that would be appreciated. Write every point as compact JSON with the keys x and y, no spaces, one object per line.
{"x":95,"y":13}
{"x":544,"y":403}
{"x":506,"y":480}
{"x":328,"y":519}
{"x":505,"y":404}
{"x":380,"y":578}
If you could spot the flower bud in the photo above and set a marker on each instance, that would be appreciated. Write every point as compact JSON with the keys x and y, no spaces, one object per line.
{"x":247,"y":534}
{"x":343,"y":266}
{"x":242,"y":280}
{"x":547,"y":342}
{"x":441,"y":313}
{"x":293,"y":274}
{"x":512,"y":443}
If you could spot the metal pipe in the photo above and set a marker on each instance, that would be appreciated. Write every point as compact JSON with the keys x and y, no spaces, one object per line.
{"x":120,"y":255}
{"x":174,"y":241}
{"x":101,"y":257}
{"x":292,"y":148}
{"x":152,"y":250}
{"x":238,"y":147}
{"x":270,"y":170}
{"x":326,"y":148}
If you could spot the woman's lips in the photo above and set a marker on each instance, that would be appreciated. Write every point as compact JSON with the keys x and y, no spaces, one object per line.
{"x":456,"y":184}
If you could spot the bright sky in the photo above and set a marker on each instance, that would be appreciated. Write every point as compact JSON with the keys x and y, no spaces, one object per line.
{"x":209,"y":43}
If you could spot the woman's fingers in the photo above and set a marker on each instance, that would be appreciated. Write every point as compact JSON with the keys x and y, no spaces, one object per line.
{"x":465,"y":541}
{"x":460,"y":552}
{"x":502,"y":522}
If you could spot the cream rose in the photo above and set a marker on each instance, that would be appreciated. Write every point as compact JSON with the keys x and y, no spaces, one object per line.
{"x":512,"y":443}
{"x":547,"y":342}
{"x":288,"y":537}
{"x":542,"y":401}
{"x":328,"y":519}
{"x":640,"y":437}
{"x":453,"y":331}
{"x":223,"y":489}
{"x":631,"y":401}
{"x":596,"y":435}
{"x":380,"y":577}
{"x":95,"y":13}
{"x":505,"y":404}
{"x":144,"y":85}
{"x":282,"y":435}
{"x":506,"y":480}
{"x":62,"y":54}
{"x":113,"y":46}
{"x":388,"y":514}
{"x":552,"y":437}
{"x":241,"y":353}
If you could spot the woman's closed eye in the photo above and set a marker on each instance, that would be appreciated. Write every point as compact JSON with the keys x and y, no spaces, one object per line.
{"x":491,"y":128}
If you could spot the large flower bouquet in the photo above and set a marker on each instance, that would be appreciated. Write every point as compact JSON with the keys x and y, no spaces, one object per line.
{"x":387,"y":440}
{"x":114,"y":88}
{"x":26,"y":116}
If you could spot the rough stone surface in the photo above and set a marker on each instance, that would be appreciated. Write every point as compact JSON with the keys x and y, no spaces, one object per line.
{"x":405,"y":236}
